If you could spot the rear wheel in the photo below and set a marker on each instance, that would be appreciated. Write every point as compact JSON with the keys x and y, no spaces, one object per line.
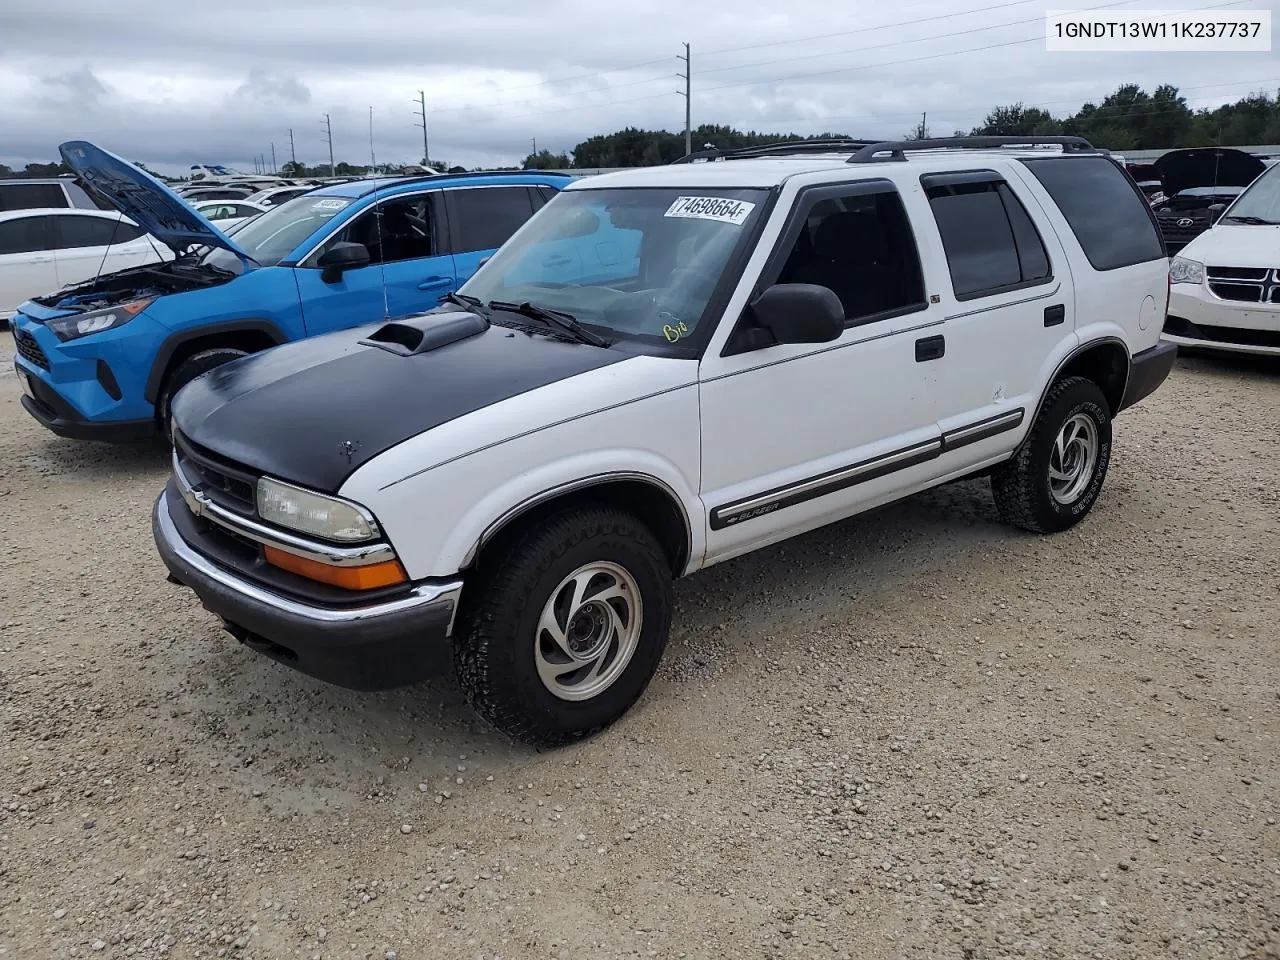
{"x":184,"y":373}
{"x":565,"y":633}
{"x":1055,"y":479}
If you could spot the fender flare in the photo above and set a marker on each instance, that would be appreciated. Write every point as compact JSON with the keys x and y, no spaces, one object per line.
{"x":175,"y":340}
{"x":1062,"y":365}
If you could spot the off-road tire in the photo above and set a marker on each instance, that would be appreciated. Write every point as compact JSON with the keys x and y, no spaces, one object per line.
{"x":184,"y":373}
{"x":1021,"y":485}
{"x":494,"y":645}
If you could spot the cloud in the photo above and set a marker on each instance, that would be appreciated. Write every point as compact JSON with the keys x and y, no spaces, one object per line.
{"x":172,"y":84}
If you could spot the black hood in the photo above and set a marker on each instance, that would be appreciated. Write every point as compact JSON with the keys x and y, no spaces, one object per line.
{"x":313,"y":411}
{"x":1207,"y":167}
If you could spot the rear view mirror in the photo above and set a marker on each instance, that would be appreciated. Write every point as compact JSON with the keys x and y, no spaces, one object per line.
{"x":341,"y":257}
{"x":1216,"y":210}
{"x":799,"y":313}
{"x":580,"y":223}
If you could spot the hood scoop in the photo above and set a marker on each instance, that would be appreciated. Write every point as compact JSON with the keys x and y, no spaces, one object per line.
{"x":422,"y":334}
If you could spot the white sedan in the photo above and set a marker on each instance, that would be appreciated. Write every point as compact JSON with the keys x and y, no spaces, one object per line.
{"x":227,"y":213}
{"x":43,"y":250}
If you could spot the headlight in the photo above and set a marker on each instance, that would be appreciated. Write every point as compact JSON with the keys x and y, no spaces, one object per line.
{"x":83,"y":324}
{"x":1182,"y":270}
{"x":313,"y":513}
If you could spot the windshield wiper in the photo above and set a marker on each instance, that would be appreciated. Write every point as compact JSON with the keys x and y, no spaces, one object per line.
{"x":555,"y":318}
{"x":1250,"y":221}
{"x":471,"y":303}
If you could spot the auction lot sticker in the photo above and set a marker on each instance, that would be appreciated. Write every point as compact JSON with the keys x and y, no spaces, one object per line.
{"x":711,"y":208}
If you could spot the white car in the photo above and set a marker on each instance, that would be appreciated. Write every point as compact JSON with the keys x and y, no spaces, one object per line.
{"x":45,"y":249}
{"x":227,"y":213}
{"x":1226,"y":282}
{"x":274,"y":196}
{"x":664,"y":368}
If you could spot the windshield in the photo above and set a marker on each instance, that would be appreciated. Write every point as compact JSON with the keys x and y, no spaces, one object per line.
{"x":270,"y":237}
{"x":640,"y":263}
{"x":1261,"y":200}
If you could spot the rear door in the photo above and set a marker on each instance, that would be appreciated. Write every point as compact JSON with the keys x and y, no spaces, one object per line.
{"x":482,"y":218}
{"x":86,"y":246}
{"x":26,"y":260}
{"x":1009,"y":305}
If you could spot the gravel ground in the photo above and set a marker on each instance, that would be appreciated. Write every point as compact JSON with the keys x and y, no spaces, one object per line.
{"x":914,"y":734}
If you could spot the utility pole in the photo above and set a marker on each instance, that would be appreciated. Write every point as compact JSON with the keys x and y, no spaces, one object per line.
{"x":328,"y":129}
{"x":688,"y":102}
{"x":422,"y":110}
{"x":372,"y":163}
{"x":274,"y":168}
{"x":292,"y":154}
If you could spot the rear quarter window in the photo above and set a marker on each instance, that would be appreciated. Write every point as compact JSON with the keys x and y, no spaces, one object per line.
{"x":1104,"y":208}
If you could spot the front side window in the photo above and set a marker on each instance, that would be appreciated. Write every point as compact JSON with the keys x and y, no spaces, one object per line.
{"x":639,"y":263}
{"x":26,"y":235}
{"x":1260,"y":202}
{"x":990,"y":242}
{"x":484,"y":218}
{"x":397,"y":229}
{"x":860,"y":246}
{"x":275,"y":234}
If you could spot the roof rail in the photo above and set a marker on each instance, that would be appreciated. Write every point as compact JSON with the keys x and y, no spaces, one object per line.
{"x":435,"y":178}
{"x":783,"y":149}
{"x":897,"y":148}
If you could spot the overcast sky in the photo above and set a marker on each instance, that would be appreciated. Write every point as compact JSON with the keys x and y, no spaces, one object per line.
{"x":174,"y":83}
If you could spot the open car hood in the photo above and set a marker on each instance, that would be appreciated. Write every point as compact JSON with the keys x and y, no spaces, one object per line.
{"x":1207,"y":167}
{"x":145,"y":200}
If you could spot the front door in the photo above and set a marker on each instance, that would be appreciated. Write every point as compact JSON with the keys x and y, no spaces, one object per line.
{"x":26,"y":260}
{"x":408,"y":272}
{"x":796,"y":436}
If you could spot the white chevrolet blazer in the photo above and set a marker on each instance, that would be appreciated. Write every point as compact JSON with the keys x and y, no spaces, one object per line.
{"x":665,"y":368}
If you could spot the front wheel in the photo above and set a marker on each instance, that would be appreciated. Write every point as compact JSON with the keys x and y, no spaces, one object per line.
{"x":566,"y":632}
{"x":1055,"y":479}
{"x":184,"y":373}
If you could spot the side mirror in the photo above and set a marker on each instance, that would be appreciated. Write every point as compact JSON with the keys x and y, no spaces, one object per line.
{"x":799,"y":313}
{"x":341,"y":257}
{"x":1216,"y":210}
{"x":483,"y":261}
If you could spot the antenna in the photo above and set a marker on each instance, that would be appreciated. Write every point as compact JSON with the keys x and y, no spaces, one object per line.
{"x":422,"y":110}
{"x":687,"y":93}
{"x":328,"y":129}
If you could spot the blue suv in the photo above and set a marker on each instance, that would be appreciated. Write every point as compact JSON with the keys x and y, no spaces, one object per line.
{"x":102,"y":360}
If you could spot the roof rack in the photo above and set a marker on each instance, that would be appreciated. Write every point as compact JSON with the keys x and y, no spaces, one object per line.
{"x":415,"y":177}
{"x":783,"y":149}
{"x":896,"y":149}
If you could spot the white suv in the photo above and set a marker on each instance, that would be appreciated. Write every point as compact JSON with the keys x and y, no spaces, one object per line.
{"x":664,"y":368}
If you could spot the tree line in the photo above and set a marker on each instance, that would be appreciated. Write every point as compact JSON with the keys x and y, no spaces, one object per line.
{"x":1128,"y":119}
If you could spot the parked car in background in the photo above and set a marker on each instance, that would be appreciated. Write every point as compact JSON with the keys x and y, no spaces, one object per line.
{"x":274,"y":196}
{"x":192,"y":194}
{"x":42,"y":251}
{"x":1225,"y":284}
{"x":103,"y":360}
{"x":1195,"y":180}
{"x":30,"y":193}
{"x":225,"y":213}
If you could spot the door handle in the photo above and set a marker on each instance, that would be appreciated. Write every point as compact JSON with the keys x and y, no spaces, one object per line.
{"x":556,"y":262}
{"x":41,"y":260}
{"x":930,"y":348}
{"x":1055,"y":315}
{"x":435,"y":283}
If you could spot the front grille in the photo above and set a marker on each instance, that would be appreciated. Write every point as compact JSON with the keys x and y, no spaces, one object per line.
{"x":1244,"y":284}
{"x":222,"y":481}
{"x":29,"y":349}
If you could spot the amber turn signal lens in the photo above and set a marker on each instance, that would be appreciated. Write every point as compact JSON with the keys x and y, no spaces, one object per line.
{"x":369,"y":577}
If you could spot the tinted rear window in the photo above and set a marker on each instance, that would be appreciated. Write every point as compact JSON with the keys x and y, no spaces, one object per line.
{"x":1104,"y":210}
